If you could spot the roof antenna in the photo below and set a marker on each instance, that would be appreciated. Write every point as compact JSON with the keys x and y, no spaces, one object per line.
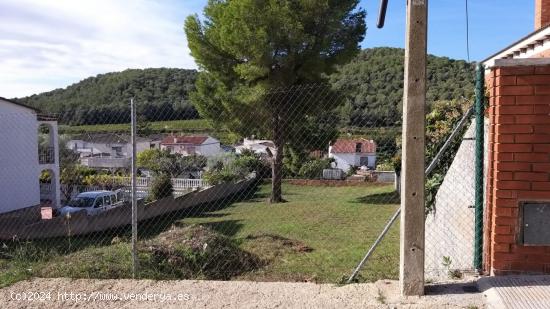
{"x":382,"y":13}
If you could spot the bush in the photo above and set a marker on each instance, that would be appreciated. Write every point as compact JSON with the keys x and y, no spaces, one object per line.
{"x":386,"y":166}
{"x":232,"y":168}
{"x":163,"y":162}
{"x":222,"y":175}
{"x":440,"y":122}
{"x":314,"y":169}
{"x":352,"y":170}
{"x":161,"y":187}
{"x":249,"y":163}
{"x":105,"y":181}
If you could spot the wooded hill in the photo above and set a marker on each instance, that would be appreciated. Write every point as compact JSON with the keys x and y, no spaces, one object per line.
{"x":372,"y":84}
{"x":161,"y":94}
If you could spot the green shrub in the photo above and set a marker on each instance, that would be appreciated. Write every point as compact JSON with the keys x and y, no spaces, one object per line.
{"x":161,"y":187}
{"x":107,"y":182}
{"x":231,"y":168}
{"x":250,"y":163}
{"x":314,"y":169}
{"x":352,"y":170}
{"x":440,"y":122}
{"x":222,"y":175}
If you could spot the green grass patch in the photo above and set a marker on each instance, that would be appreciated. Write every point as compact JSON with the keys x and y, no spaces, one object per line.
{"x":175,"y":125}
{"x":319,"y":235}
{"x":192,"y":126}
{"x":14,"y":271}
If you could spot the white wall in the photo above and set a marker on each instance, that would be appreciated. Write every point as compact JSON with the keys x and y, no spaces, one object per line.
{"x":345,"y":160}
{"x":98,"y":148}
{"x":210,"y":147}
{"x":450,"y":226}
{"x":19,"y":168}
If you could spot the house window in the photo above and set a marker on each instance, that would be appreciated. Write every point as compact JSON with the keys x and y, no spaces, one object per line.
{"x":358,"y":147}
{"x":118,"y":151}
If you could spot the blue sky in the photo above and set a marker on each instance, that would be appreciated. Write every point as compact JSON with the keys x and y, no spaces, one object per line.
{"x":494,"y":24}
{"x":48,"y":44}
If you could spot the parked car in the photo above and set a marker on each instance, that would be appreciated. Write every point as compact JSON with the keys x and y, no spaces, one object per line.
{"x":93,"y":202}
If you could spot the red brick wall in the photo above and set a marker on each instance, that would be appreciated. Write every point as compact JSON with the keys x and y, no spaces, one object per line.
{"x":542,"y":13}
{"x":518,"y":164}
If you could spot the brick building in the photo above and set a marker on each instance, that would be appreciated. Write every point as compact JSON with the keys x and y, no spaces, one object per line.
{"x":517,"y":214}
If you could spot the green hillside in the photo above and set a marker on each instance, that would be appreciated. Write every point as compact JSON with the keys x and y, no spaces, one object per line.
{"x":161,"y":94}
{"x":372,"y":84}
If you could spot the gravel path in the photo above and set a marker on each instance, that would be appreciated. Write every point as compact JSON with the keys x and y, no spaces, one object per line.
{"x":56,"y":293}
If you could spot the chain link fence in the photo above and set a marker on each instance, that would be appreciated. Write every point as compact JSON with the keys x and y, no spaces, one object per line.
{"x":450,"y":208}
{"x":286,"y":184}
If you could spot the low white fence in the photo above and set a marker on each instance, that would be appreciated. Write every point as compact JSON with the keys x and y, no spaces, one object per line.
{"x":177,"y":183}
{"x":142,"y":183}
{"x":188,"y":183}
{"x":334,"y":173}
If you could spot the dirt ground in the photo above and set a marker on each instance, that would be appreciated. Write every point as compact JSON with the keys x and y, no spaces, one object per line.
{"x":82,"y":293}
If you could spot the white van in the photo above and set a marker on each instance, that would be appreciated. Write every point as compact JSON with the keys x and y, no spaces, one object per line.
{"x":93,"y":202}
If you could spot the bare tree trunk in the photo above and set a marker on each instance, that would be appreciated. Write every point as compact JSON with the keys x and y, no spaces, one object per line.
{"x":277,"y":162}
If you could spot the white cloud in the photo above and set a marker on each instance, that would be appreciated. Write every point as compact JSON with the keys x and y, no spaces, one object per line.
{"x":49,"y":44}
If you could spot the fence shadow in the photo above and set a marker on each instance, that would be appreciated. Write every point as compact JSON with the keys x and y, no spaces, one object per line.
{"x":152,"y":227}
{"x":452,"y":288}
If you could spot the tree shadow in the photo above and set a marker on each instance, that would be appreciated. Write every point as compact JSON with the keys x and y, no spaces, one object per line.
{"x":228,"y":228}
{"x":386,"y":198}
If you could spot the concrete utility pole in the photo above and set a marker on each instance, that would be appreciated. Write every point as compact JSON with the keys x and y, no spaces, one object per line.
{"x":411,"y":267}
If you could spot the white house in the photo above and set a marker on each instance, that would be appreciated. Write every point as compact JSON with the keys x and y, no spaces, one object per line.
{"x":22,"y":160}
{"x":189,"y":145}
{"x":353,"y":152}
{"x":259,"y":146}
{"x":108,"y":150}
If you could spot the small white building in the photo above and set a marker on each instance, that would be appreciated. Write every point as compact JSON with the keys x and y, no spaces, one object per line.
{"x":260,"y":146}
{"x":108,"y":150}
{"x":353,"y":152}
{"x":189,"y":145}
{"x":22,"y":160}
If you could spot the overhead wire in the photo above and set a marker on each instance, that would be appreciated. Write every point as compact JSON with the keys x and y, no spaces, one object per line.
{"x":467,"y":31}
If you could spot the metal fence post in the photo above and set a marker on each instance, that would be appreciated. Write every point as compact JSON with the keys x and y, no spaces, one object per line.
{"x":480,"y":106}
{"x":134,"y":198}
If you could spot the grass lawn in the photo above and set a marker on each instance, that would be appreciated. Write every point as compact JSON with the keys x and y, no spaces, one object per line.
{"x":338,"y":223}
{"x":319,"y":235}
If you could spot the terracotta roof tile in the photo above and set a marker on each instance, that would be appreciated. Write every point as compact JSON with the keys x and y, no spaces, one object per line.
{"x":350,"y":146}
{"x":185,"y":139}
